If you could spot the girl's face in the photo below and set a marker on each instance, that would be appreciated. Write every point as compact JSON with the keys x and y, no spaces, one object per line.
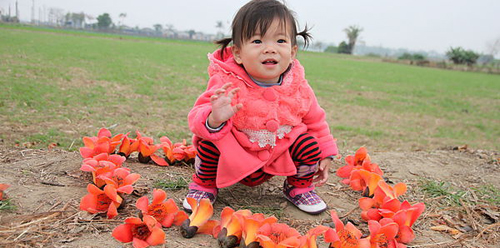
{"x":266,"y":57}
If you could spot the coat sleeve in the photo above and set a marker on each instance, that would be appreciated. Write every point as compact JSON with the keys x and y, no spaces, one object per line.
{"x":317,"y":126}
{"x":202,"y":109}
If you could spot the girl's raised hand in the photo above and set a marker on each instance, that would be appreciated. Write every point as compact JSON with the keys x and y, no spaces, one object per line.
{"x":222,"y":110}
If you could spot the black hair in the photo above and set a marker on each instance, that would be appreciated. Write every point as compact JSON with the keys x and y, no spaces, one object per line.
{"x":258,"y":15}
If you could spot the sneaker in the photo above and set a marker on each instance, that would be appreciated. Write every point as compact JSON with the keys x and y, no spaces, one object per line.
{"x":304,"y":199}
{"x":199,"y":192}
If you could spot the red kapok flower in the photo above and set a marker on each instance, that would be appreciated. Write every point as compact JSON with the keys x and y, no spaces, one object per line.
{"x":102,"y":164}
{"x":147,"y":148}
{"x":128,"y":146}
{"x":165,"y":212}
{"x":250,"y":225}
{"x":103,"y":143}
{"x":198,"y":221}
{"x":309,"y":240}
{"x":405,"y":219}
{"x":101,"y":201}
{"x":142,"y":233}
{"x":347,"y":236}
{"x":2,"y":188}
{"x":365,"y":181}
{"x":383,"y":233}
{"x":122,"y":179}
{"x":278,"y":235}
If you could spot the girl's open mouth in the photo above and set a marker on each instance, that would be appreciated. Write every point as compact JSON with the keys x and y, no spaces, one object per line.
{"x":270,"y":62}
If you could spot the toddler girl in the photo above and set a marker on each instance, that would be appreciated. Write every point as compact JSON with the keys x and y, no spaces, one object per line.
{"x":258,"y":117}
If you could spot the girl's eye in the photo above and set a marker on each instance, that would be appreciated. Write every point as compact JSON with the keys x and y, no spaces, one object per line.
{"x":257,"y":41}
{"x":281,"y":41}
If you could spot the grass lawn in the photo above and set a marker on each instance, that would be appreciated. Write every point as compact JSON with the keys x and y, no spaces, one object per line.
{"x":58,"y":86}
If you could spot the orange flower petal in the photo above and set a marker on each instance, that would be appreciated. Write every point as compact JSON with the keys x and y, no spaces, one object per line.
{"x":157,"y":237}
{"x":345,"y":171}
{"x":88,"y":143}
{"x":131,"y":178}
{"x":86,"y":152}
{"x":225,"y":216}
{"x":208,"y":227}
{"x":88,"y":203}
{"x":103,"y":132}
{"x":142,"y":204}
{"x":168,"y":220}
{"x":400,"y":189}
{"x":204,"y":212}
{"x":331,"y":236}
{"x":139,"y":243}
{"x":110,"y":191}
{"x":159,"y":161}
{"x":249,"y":232}
{"x":171,"y":206}
{"x":371,"y":179}
{"x":194,"y":207}
{"x":133,"y":220}
{"x":360,"y":155}
{"x":125,"y":146}
{"x":159,"y":196}
{"x":390,"y":230}
{"x":93,"y":189}
{"x":234,"y":227}
{"x":406,"y":234}
{"x":112,"y":211}
{"x":338,"y":224}
{"x":366,"y":203}
{"x":123,"y":233}
{"x":180,"y":217}
{"x":127,"y":189}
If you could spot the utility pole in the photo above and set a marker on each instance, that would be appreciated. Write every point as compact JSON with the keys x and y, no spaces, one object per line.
{"x":33,"y":13}
{"x":17,"y":11}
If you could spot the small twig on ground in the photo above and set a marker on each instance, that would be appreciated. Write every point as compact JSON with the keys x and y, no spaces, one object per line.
{"x":25,"y":231}
{"x":440,"y":244}
{"x":53,"y":184}
{"x":55,"y":205}
{"x":486,"y":229}
{"x":348,"y":213}
{"x":39,"y":220}
{"x":469,"y":215}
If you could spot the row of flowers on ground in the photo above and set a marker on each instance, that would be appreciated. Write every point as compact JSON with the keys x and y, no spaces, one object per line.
{"x":389,"y":220}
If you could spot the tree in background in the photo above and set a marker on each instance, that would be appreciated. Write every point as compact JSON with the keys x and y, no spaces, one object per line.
{"x":344,"y":48}
{"x":158,"y":28}
{"x":412,"y":57}
{"x":220,"y":26}
{"x":352,"y":33}
{"x":75,"y":20}
{"x":104,"y":21}
{"x":122,"y":17}
{"x":460,"y":56}
{"x":331,"y":49}
{"x":191,"y":34}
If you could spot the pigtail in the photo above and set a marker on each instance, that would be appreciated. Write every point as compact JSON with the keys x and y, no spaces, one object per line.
{"x":306,"y":36}
{"x":223,"y":43}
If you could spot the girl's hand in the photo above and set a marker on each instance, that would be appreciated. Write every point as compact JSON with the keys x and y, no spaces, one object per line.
{"x":321,"y":176}
{"x":221,"y":106}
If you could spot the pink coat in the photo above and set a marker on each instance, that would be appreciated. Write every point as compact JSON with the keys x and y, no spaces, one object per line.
{"x":292,"y":104}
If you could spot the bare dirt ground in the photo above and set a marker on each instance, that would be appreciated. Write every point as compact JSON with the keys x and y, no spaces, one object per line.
{"x":46,"y":188}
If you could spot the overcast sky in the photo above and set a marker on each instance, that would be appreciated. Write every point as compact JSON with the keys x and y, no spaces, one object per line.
{"x":413,"y":24}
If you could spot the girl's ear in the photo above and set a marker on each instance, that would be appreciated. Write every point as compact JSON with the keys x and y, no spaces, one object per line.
{"x":294,"y":52}
{"x":237,"y":54}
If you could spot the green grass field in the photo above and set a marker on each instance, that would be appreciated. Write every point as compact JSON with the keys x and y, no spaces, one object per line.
{"x":58,"y":86}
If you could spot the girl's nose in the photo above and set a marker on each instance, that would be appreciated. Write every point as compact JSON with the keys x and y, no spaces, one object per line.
{"x":269,"y":49}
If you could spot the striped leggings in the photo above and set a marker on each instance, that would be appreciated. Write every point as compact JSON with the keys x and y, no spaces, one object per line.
{"x":304,"y":151}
